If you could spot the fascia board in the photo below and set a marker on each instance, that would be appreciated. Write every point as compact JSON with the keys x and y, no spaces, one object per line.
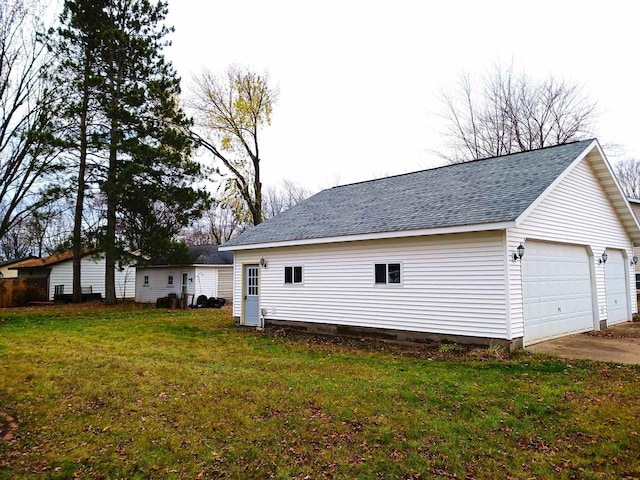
{"x":375,"y":236}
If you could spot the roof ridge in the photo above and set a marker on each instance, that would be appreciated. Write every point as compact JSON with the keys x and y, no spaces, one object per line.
{"x":462,"y":163}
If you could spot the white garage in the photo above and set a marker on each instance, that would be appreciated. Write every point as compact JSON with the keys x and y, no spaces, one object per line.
{"x":617,"y":287}
{"x":557,"y":289}
{"x":504,"y":250}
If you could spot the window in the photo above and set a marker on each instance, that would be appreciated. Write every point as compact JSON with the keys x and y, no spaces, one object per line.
{"x":170,"y":280}
{"x":292,"y":274}
{"x":145,"y":281}
{"x":637,"y":281}
{"x":387,"y":273}
{"x":252,"y":280}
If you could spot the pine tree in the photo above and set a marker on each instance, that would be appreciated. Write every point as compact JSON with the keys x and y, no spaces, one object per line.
{"x":143,"y":137}
{"x":78,"y":43}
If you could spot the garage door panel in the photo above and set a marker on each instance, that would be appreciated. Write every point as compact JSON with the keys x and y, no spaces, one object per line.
{"x":616,"y":287}
{"x":557,"y":290}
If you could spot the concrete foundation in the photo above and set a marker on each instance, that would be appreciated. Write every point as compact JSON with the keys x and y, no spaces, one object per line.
{"x":394,"y":335}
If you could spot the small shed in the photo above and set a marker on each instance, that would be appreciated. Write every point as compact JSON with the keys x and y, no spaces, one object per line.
{"x":209,"y":272}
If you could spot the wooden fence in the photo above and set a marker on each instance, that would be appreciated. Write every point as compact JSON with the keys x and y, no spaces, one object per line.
{"x":18,"y":292}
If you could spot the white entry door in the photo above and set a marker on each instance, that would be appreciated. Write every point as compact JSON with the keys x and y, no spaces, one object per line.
{"x":556,"y":283}
{"x":616,"y":286}
{"x":251,"y":298}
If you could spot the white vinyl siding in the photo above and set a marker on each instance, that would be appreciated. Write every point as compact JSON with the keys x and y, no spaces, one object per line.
{"x":577,"y":211}
{"x":158,"y":286}
{"x":208,"y":280}
{"x":451,"y":284}
{"x":92,"y":275}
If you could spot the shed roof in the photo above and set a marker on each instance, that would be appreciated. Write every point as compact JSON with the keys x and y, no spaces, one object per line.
{"x":15,"y":261}
{"x":209,"y":255}
{"x":36,"y":262}
{"x":198,"y":255}
{"x":490,"y":191}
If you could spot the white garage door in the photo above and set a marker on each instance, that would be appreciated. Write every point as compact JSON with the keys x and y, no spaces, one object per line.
{"x":556,"y":282}
{"x":616,"y":284}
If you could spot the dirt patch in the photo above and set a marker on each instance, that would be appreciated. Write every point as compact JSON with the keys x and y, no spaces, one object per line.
{"x":621,"y":330}
{"x":8,"y":426}
{"x":609,"y":334}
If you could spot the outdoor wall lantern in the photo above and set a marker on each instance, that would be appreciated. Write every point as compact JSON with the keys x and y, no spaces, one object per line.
{"x":263,"y":263}
{"x":519,"y":253}
{"x":633,"y":261}
{"x":603,"y":257}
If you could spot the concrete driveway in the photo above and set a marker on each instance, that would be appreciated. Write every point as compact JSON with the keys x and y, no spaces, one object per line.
{"x":619,"y":343}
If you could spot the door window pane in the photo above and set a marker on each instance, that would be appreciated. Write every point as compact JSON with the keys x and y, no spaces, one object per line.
{"x":252,"y":281}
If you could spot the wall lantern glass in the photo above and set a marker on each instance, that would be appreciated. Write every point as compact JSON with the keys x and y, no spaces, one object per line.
{"x":519,"y":253}
{"x":603,"y":257}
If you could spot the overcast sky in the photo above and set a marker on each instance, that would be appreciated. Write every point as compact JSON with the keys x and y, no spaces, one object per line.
{"x":360,"y":80}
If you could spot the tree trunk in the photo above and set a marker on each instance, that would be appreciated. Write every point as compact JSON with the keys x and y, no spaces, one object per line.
{"x":110,"y":233}
{"x":256,"y":211}
{"x":77,"y":220}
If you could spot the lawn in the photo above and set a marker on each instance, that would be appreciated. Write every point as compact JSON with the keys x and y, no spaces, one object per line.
{"x":137,"y":392}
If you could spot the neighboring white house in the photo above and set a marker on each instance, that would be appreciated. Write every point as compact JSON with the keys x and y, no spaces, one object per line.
{"x":435,"y":254}
{"x":58,"y":269}
{"x":208,"y":273}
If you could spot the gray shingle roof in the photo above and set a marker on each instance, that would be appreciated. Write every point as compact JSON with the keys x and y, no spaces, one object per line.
{"x":492,"y":190}
{"x":209,"y":255}
{"x":198,"y":255}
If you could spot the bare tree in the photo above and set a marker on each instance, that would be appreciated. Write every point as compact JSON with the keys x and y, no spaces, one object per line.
{"x":41,"y":233}
{"x":628,"y":175}
{"x":230,"y":112}
{"x":27,"y":158}
{"x":277,"y":200}
{"x":509,"y":113}
{"x":16,"y":243}
{"x":218,"y":224}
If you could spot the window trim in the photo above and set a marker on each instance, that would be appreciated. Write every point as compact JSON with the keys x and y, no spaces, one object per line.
{"x":170,"y":281}
{"x":293,"y":275}
{"x":145,"y":281}
{"x":386,"y":283}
